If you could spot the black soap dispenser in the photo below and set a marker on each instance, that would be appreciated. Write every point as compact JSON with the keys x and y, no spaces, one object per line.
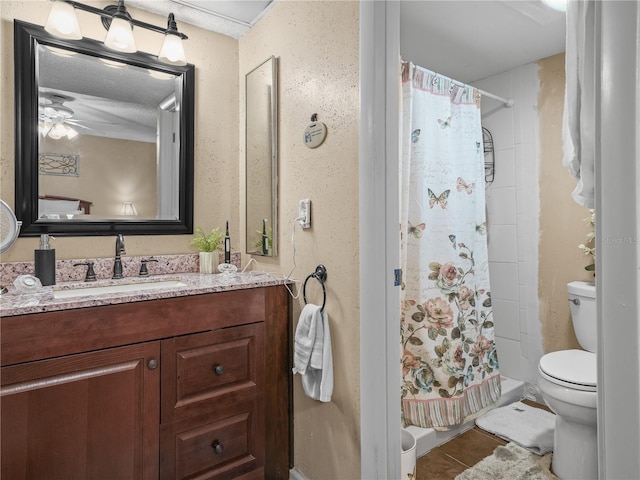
{"x":45,"y":262}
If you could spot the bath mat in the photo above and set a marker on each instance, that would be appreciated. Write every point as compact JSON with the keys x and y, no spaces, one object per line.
{"x":529,"y":427}
{"x":510,"y":462}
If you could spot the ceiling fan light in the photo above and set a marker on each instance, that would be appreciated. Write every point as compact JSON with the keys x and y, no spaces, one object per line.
{"x":63,"y":22}
{"x":44,"y":128}
{"x":71,"y":133}
{"x":120,"y":36}
{"x":57,"y":131}
{"x":49,"y":111}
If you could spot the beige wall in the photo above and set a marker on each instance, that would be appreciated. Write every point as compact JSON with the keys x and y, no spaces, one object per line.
{"x":316,"y":44}
{"x":216,"y":131}
{"x":561,"y":220}
{"x":107,"y":175}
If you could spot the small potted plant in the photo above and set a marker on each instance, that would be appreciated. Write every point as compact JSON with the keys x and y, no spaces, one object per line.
{"x":209,"y":246}
{"x":589,"y":248}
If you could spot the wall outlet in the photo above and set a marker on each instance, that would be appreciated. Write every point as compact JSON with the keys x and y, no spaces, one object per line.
{"x":304,"y":213}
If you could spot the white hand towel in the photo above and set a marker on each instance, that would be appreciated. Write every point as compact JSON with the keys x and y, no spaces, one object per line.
{"x":312,"y":355}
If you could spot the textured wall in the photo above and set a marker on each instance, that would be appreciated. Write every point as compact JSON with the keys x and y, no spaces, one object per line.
{"x":316,"y":44}
{"x":216,"y":131}
{"x":561,"y":225}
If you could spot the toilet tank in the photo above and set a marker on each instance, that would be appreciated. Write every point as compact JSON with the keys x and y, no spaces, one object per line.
{"x":582,"y":300}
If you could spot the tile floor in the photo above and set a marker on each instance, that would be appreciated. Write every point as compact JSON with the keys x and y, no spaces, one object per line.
{"x":455,"y":456}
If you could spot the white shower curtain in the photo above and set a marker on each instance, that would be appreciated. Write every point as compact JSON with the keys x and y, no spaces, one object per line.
{"x":449,"y":361}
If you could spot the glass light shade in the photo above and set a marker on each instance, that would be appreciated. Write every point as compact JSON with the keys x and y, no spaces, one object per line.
{"x":172,"y":51}
{"x":128,"y":208}
{"x":120,"y":36}
{"x":57,"y":131}
{"x":71,"y":133}
{"x":63,"y":22}
{"x":44,"y":127}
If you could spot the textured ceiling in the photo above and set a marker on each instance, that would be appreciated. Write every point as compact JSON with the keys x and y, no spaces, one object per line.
{"x":472,"y":40}
{"x":465,"y":39}
{"x":232,"y":18}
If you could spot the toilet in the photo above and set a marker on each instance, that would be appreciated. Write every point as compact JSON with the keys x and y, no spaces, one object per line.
{"x":567,"y":381}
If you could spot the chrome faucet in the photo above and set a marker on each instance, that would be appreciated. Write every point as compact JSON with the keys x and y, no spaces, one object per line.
{"x":117,"y":264}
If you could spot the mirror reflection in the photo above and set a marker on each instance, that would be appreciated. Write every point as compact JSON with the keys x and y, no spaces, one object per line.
{"x":261,"y":159}
{"x":109,"y":144}
{"x":110,"y":138}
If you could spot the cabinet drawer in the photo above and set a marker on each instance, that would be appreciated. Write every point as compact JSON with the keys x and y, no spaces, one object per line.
{"x":211,"y":369}
{"x":229,"y":447}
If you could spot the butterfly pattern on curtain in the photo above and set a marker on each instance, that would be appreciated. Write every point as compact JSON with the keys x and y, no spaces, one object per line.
{"x":449,"y":359}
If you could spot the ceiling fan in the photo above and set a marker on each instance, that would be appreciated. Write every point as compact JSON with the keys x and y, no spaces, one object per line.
{"x":57,"y":120}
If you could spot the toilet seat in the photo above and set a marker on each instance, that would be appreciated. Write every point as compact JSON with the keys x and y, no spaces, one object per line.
{"x":574,"y":369}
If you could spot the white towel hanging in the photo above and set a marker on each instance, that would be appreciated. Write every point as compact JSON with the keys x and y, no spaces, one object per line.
{"x":312,"y":355}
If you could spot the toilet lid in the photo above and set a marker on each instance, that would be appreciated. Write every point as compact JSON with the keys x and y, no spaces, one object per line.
{"x":576,"y":367}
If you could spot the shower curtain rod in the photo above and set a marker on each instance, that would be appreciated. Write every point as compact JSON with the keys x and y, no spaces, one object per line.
{"x":508,"y":102}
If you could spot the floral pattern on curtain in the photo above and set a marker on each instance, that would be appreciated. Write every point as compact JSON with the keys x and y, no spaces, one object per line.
{"x":449,"y":360}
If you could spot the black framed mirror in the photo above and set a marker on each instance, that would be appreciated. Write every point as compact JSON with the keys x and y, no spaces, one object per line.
{"x":104,"y":140}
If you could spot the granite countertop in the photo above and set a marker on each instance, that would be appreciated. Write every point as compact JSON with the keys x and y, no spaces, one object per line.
{"x":15,"y":303}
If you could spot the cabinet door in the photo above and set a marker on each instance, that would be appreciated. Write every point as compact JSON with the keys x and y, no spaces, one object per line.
{"x":87,"y":416}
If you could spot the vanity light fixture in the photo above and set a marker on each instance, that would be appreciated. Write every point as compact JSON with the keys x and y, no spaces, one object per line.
{"x":63,"y":23}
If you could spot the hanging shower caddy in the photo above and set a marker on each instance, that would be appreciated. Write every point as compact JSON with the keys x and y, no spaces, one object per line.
{"x":489,"y":156}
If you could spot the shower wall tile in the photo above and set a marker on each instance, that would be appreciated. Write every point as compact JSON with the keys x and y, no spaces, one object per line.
{"x":509,"y":356}
{"x":514,"y":261}
{"x":524,"y":321}
{"x":523,"y":225}
{"x":502,"y":206}
{"x":524,"y":345}
{"x":523,"y":294}
{"x":523,"y":251}
{"x":499,"y":121}
{"x":506,"y":319}
{"x":505,"y":173}
{"x":503,"y":243}
{"x":525,"y":103}
{"x":504,"y":280}
{"x":523,"y":201}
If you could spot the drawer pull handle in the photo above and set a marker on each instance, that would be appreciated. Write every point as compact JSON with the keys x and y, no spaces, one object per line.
{"x":217,"y":447}
{"x":219,"y":369}
{"x":152,"y":364}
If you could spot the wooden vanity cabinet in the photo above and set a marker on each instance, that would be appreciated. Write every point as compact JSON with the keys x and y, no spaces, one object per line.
{"x":212,"y":412}
{"x":85,"y":416}
{"x":180,"y":388}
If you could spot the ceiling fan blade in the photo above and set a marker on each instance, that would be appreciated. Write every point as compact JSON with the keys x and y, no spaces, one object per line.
{"x":86,"y":128}
{"x":79,"y":122}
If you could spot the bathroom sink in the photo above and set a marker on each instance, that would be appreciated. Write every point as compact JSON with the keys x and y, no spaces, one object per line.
{"x":117,"y":288}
